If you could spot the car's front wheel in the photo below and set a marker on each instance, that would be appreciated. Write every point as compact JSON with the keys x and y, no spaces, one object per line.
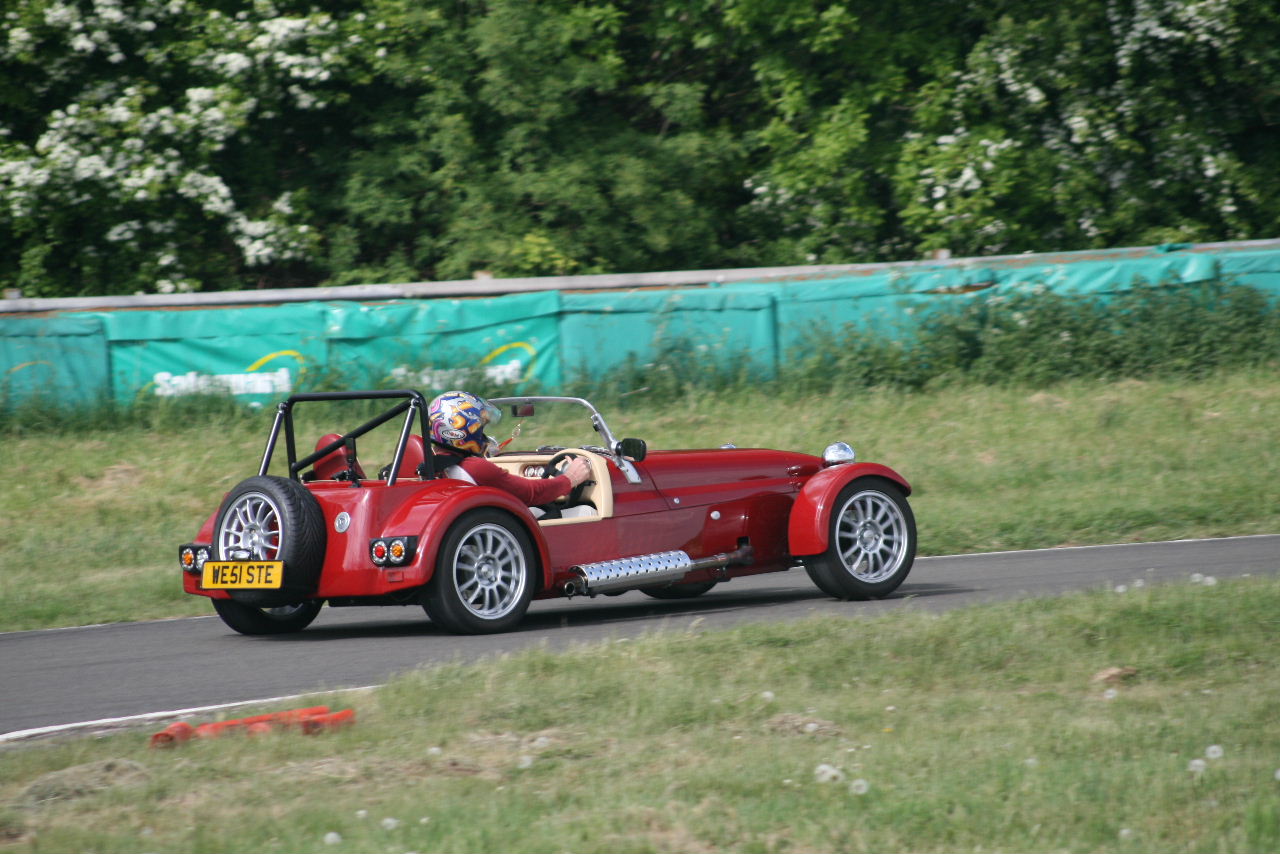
{"x":871,"y":543}
{"x":484,"y":575}
{"x":248,"y":620}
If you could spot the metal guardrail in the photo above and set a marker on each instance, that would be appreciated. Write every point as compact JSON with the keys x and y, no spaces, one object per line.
{"x":610,"y":281}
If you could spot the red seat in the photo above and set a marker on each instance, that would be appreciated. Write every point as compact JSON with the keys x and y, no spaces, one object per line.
{"x":334,"y":463}
{"x":414,"y":455}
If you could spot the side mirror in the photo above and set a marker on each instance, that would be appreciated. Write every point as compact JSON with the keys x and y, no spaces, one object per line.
{"x":636,"y":449}
{"x":522,"y":410}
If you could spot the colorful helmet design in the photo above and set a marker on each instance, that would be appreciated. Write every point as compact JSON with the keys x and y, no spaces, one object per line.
{"x":458,"y":419}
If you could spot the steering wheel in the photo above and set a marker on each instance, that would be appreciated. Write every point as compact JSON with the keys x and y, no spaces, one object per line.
{"x":554,"y":467}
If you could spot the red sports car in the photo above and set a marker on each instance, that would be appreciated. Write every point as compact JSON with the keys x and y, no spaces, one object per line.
{"x":672,"y":524}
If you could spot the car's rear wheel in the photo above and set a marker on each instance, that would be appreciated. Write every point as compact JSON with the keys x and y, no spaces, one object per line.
{"x":679,"y":591}
{"x":871,"y":543}
{"x":484,"y":575}
{"x":273,"y":518}
{"x":248,"y":620}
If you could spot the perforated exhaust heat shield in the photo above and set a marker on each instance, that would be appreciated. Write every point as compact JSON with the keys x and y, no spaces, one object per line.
{"x":611,"y":576}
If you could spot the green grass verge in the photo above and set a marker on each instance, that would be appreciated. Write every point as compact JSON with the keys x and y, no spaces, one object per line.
{"x":982,"y":728}
{"x":91,"y":521}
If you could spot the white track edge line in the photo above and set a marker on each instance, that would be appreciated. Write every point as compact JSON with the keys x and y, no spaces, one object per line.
{"x":20,"y":735}
{"x":1100,"y":546}
{"x":918,"y":559}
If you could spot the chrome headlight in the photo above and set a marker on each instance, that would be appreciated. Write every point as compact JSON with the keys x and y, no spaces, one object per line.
{"x":837,"y":453}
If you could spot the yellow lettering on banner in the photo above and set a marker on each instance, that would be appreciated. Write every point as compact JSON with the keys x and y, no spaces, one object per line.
{"x":267,"y":358}
{"x":524,"y":345}
{"x":17,"y":368}
{"x":302,"y":362}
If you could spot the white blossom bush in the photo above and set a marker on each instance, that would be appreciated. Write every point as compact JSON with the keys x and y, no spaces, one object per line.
{"x":1093,"y":124}
{"x":123,"y":184}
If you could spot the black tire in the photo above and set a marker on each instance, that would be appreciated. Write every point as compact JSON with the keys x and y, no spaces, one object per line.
{"x":871,"y":542}
{"x":679,"y":591}
{"x":485,"y":575}
{"x":273,"y":518}
{"x":248,"y":620}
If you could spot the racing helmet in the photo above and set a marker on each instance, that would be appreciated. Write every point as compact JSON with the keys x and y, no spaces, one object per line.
{"x":458,"y":419}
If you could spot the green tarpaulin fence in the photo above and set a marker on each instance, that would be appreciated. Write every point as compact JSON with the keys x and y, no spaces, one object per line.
{"x":63,"y":355}
{"x":547,"y":338}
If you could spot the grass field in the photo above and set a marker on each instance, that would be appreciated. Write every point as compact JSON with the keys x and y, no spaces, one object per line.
{"x":986,"y":729}
{"x":91,"y":520}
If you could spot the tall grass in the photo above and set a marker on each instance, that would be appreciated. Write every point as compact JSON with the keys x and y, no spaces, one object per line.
{"x":90,"y":524}
{"x":1034,"y":421}
{"x":1031,"y":338}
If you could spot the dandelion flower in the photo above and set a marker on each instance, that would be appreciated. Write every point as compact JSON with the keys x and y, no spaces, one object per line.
{"x":390,"y":823}
{"x":825,"y":773}
{"x":859,"y":787}
{"x":526,"y":761}
{"x":891,"y":708}
{"x":1031,"y":762}
{"x":362,"y":813}
{"x":1110,"y":694}
{"x":767,"y":696}
{"x":1196,"y":766}
{"x":1213,"y":751}
{"x":332,"y":838}
{"x":1138,"y":582}
{"x":434,"y":751}
{"x":1209,"y":581}
{"x":1122,"y":588}
{"x":426,"y":819}
{"x":1126,"y":833}
{"x":1196,"y":578}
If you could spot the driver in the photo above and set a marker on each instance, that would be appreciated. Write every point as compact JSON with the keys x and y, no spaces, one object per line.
{"x":458,"y":419}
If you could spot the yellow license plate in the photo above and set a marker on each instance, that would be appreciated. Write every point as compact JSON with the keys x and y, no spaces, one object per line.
{"x":243,"y":575}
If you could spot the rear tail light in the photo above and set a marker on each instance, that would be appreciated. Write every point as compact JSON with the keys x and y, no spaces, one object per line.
{"x":398,"y":551}
{"x":192,"y":557}
{"x":392,"y":551}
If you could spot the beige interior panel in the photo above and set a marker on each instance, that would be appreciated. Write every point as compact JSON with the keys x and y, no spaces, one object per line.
{"x":599,"y":493}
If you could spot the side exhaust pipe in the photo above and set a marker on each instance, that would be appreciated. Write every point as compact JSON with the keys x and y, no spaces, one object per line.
{"x":614,"y":576}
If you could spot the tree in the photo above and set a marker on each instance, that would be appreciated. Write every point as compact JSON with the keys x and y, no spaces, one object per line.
{"x":166,"y":145}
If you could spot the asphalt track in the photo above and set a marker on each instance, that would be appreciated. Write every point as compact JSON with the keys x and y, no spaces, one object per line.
{"x":96,"y":675}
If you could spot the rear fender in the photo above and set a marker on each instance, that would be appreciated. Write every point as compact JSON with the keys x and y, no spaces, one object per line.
{"x":433,"y":516}
{"x":206,"y":530}
{"x":809,"y":528}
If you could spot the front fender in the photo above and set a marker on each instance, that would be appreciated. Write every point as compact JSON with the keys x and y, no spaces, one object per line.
{"x":433,"y":515}
{"x":809,"y":527}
